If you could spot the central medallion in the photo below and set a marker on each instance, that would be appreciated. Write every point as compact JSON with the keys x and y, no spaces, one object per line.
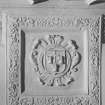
{"x":55,"y":60}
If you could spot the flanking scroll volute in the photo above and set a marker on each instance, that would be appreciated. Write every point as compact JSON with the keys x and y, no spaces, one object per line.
{"x":31,"y":1}
{"x":36,"y":1}
{"x":90,"y":1}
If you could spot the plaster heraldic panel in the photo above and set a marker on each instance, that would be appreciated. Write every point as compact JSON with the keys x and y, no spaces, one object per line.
{"x":57,"y":59}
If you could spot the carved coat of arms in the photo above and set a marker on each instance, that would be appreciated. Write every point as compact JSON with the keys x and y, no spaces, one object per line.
{"x":55,"y":60}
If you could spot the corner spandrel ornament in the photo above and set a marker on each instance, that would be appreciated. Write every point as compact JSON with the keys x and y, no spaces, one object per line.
{"x":55,"y":61}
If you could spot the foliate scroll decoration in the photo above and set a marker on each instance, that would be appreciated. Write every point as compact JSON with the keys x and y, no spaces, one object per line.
{"x":93,"y":27}
{"x":94,"y":62}
{"x":54,"y":100}
{"x":13,"y":64}
{"x":55,"y":61}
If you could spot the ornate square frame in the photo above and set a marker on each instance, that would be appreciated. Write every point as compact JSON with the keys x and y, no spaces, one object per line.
{"x":14,"y":26}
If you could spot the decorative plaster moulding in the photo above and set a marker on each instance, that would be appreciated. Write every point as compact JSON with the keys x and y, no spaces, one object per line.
{"x":53,"y":60}
{"x":38,"y":1}
{"x":31,"y":1}
{"x":91,"y":1}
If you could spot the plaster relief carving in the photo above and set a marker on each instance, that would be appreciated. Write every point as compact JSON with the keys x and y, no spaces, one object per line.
{"x":36,"y":1}
{"x":90,"y":2}
{"x":89,"y":23}
{"x":55,"y":61}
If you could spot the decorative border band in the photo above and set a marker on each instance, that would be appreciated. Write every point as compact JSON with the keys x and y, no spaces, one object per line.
{"x":16,"y":24}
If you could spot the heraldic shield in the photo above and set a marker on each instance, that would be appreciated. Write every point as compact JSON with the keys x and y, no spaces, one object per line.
{"x":55,"y":60}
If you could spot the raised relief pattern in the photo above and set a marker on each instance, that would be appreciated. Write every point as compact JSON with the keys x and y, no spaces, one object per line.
{"x":91,"y":24}
{"x":55,"y":61}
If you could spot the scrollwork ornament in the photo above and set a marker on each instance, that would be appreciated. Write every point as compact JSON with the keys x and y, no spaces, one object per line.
{"x":54,"y":60}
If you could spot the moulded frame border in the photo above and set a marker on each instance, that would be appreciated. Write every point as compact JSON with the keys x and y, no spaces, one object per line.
{"x":13,"y":26}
